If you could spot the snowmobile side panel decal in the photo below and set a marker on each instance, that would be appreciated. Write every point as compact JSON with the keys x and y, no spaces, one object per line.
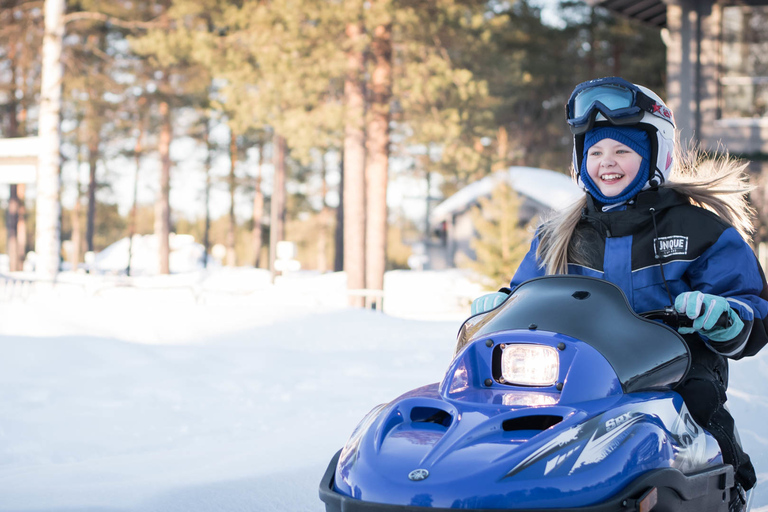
{"x":603,"y":444}
{"x":570,"y":438}
{"x":606,"y":436}
{"x":558,"y":460}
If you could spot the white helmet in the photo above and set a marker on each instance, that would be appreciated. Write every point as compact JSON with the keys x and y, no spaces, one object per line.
{"x":613,"y":101}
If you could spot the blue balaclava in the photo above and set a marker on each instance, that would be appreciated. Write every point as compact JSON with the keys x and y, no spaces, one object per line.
{"x":634,"y":138}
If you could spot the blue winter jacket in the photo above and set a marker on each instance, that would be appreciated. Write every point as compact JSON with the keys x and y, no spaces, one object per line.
{"x":698,"y":249}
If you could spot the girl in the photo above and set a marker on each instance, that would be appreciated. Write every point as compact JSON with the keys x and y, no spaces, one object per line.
{"x":666,"y":232}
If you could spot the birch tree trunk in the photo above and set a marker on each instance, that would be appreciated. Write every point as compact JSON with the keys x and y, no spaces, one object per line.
{"x":377,"y":162}
{"x":47,"y":228}
{"x":354,"y":164}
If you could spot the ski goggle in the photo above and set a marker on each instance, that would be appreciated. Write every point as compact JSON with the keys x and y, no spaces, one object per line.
{"x":619,"y":101}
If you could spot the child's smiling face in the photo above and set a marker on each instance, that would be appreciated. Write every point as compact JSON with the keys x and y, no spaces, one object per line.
{"x":612,"y":166}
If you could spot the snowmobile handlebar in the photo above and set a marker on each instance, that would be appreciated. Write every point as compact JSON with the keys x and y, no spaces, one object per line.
{"x":672,"y":318}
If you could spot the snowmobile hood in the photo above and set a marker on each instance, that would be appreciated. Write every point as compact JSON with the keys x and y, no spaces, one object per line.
{"x":594,"y":403}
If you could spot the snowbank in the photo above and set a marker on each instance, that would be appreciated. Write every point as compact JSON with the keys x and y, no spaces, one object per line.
{"x":186,"y":255}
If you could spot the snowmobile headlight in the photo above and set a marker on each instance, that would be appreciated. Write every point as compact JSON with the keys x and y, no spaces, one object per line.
{"x":529,"y":365}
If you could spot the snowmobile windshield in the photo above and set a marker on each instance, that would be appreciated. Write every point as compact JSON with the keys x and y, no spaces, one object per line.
{"x":645,"y":354}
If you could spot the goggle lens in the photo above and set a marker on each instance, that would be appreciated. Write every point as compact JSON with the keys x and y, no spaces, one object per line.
{"x":612,"y":96}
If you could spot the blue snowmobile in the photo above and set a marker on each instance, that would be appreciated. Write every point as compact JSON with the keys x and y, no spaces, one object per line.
{"x":557,"y":400}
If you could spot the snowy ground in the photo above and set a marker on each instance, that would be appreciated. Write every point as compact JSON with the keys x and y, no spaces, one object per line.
{"x":222,"y":392}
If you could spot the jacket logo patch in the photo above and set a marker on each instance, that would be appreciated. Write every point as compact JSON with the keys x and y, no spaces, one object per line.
{"x":670,"y":246}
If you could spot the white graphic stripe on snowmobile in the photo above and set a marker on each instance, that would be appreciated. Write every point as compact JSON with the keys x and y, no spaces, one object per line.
{"x":573,"y":435}
{"x":570,"y":436}
{"x":599,"y":448}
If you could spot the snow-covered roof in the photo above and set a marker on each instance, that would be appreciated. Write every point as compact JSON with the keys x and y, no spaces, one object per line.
{"x":549,"y":188}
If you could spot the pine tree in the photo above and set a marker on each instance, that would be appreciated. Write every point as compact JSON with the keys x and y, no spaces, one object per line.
{"x":280,"y":71}
{"x":102,"y":77}
{"x":444,"y":104}
{"x":354,"y":154}
{"x":501,"y":242}
{"x":299,"y":67}
{"x":377,"y":145}
{"x":173,"y":53}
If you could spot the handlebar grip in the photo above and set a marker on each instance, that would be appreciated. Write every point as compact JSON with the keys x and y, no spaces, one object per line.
{"x":724,"y":321}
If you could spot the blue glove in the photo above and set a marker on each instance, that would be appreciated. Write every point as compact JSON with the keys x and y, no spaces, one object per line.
{"x":704,"y":309}
{"x":488,"y":302}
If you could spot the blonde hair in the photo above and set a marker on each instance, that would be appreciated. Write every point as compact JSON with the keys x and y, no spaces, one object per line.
{"x":717,"y":183}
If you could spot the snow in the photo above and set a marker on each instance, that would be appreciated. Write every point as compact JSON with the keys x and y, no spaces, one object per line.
{"x":186,"y":255}
{"x":221,"y":391}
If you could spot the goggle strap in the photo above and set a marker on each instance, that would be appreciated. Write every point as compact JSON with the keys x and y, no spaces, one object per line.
{"x":644,"y":102}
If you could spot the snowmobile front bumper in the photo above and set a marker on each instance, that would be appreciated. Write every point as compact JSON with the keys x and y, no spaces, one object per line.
{"x":660,"y":490}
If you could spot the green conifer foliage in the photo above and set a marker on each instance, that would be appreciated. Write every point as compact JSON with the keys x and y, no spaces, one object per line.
{"x":501,"y":240}
{"x":442,"y":103}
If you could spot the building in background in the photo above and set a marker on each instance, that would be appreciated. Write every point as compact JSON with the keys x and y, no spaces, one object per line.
{"x":717,"y":67}
{"x":541,"y":191}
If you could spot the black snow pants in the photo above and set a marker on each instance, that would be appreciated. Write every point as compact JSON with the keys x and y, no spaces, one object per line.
{"x":703,"y":391}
